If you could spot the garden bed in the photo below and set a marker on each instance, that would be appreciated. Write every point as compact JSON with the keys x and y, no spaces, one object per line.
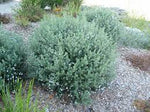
{"x":132,"y":65}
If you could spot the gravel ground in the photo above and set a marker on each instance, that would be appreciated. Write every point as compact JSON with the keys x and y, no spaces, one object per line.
{"x":10,"y":5}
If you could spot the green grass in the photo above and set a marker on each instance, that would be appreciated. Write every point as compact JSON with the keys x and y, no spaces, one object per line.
{"x":21,"y":102}
{"x":137,"y":22}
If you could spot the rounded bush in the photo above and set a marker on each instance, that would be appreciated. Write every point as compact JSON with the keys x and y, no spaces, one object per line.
{"x":71,"y":57}
{"x":12,"y":58}
{"x":105,"y":18}
{"x":133,"y":37}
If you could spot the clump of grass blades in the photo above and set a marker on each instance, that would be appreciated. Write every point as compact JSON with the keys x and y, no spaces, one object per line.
{"x":21,"y":102}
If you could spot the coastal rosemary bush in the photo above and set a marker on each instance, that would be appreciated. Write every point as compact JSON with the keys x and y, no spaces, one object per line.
{"x":137,"y":34}
{"x":105,"y":18}
{"x":133,"y":37}
{"x":12,"y":58}
{"x":71,"y":57}
{"x":22,"y":102}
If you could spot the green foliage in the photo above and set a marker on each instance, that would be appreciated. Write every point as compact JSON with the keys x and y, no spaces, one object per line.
{"x":73,"y":7}
{"x":50,"y":2}
{"x":72,"y":57}
{"x":137,"y":22}
{"x":22,"y":101}
{"x":28,"y":11}
{"x":133,"y":37}
{"x":22,"y":21}
{"x":12,"y":58}
{"x":53,"y":3}
{"x":105,"y":18}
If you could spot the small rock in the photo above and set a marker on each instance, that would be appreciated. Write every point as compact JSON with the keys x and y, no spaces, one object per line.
{"x":47,"y":8}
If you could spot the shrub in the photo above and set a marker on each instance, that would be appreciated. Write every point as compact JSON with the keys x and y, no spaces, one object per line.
{"x":22,"y":21}
{"x":105,"y":18}
{"x":133,"y":37}
{"x":71,"y":57}
{"x":53,"y":3}
{"x":12,"y":58}
{"x":21,"y":102}
{"x":73,"y":7}
{"x":28,"y":11}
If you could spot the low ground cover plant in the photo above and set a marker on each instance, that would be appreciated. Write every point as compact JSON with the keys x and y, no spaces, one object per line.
{"x":12,"y":58}
{"x":71,"y":57}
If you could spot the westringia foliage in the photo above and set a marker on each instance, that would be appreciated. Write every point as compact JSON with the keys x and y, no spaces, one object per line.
{"x":12,"y":58}
{"x":71,"y":57}
{"x":105,"y":18}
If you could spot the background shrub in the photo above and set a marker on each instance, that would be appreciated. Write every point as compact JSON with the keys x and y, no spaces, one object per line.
{"x":133,"y":37}
{"x":12,"y":58}
{"x":105,"y":18}
{"x":73,"y":7}
{"x":28,"y":11}
{"x":53,"y":3}
{"x":134,"y":21}
{"x":71,"y":57}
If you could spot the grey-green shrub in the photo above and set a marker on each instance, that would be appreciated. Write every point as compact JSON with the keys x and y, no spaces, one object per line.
{"x":12,"y":58}
{"x":133,"y":37}
{"x":71,"y":57}
{"x":105,"y":18}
